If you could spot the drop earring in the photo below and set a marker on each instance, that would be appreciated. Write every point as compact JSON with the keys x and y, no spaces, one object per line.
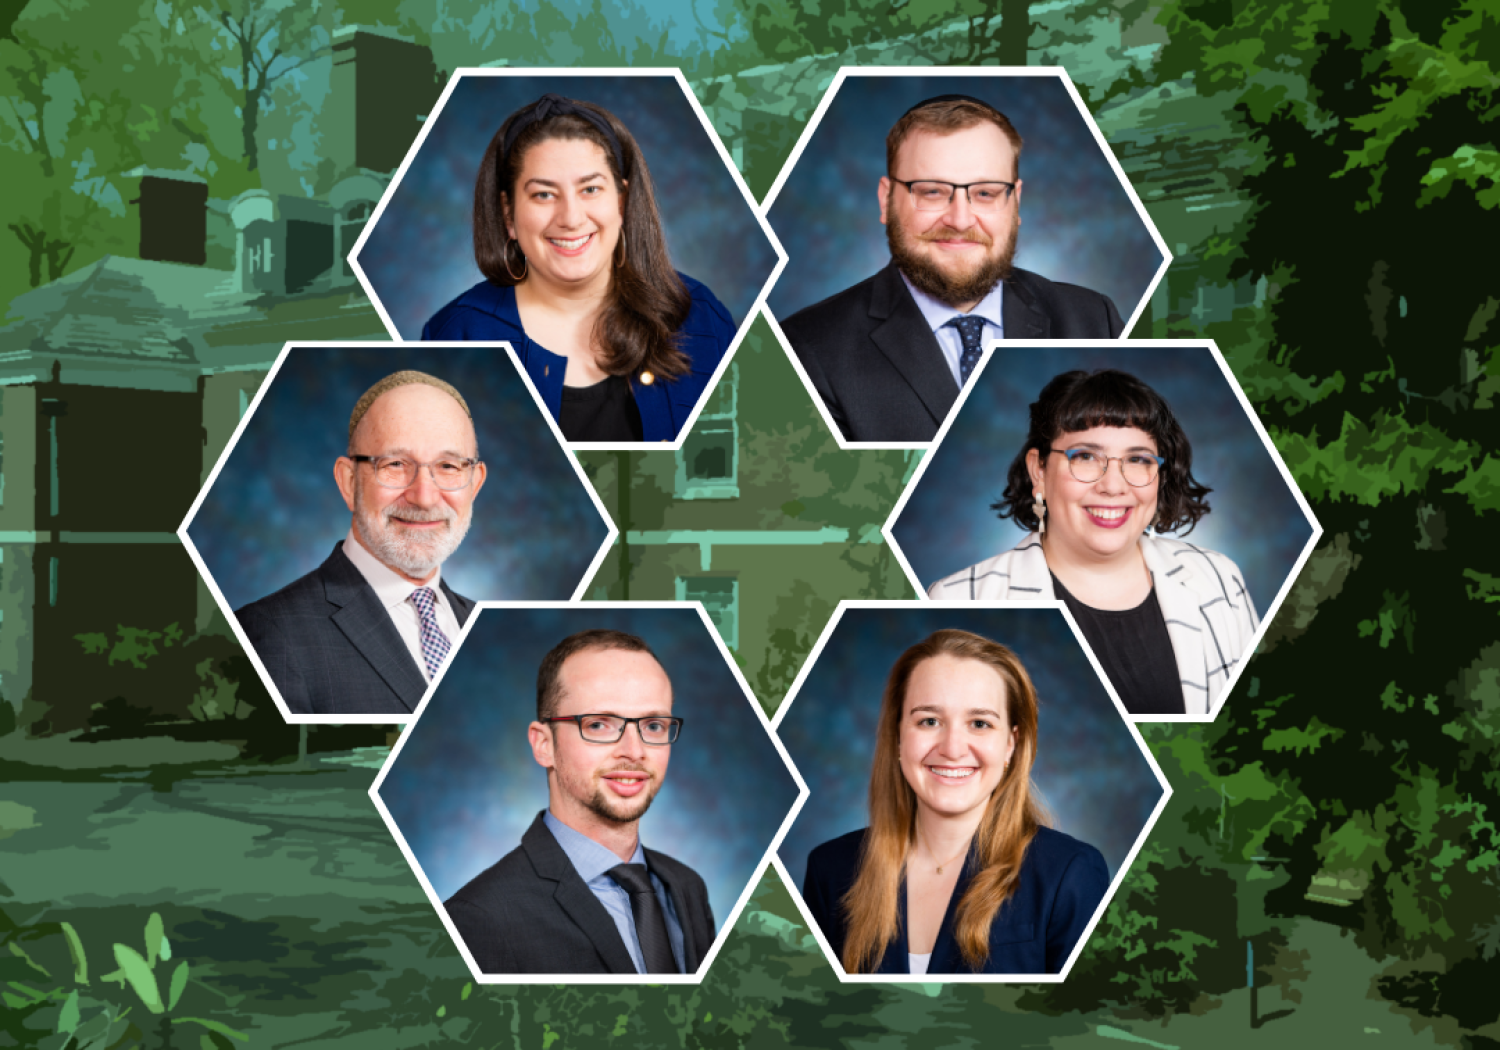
{"x":1039,"y":508}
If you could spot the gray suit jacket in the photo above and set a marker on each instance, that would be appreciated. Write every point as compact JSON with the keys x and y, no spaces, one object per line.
{"x":878,"y":368}
{"x":531,"y":913}
{"x":330,"y":646}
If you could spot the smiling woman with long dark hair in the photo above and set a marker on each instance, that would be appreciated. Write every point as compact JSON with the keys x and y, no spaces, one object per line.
{"x":958,"y":871}
{"x":578,"y":280}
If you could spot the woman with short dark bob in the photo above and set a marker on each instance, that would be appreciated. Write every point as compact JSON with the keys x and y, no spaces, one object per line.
{"x":1104,"y":462}
{"x":957,"y":872}
{"x":577,"y":279}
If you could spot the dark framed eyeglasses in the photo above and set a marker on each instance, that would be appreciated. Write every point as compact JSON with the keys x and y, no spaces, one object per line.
{"x":655,"y":730}
{"x":398,"y":472}
{"x":1139,"y":469}
{"x":933,"y":195}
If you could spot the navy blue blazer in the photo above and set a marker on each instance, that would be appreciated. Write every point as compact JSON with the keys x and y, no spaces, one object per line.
{"x":1062,"y":883}
{"x":488,"y":312}
{"x":330,"y":646}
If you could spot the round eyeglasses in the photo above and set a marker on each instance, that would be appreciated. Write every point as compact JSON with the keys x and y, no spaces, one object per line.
{"x":398,"y":472}
{"x":655,"y":730}
{"x":1139,"y":469}
{"x":932,"y":195}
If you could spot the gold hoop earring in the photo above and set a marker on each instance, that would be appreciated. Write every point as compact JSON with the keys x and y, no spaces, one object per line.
{"x":525,"y":265}
{"x":622,"y":249}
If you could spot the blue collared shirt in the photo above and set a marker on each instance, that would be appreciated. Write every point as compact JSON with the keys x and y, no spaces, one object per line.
{"x":593,"y":862}
{"x":938,"y":314}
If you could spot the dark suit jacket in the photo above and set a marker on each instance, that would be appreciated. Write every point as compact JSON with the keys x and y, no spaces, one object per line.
{"x":330,"y":646}
{"x":531,"y":913}
{"x":877,"y":366}
{"x":1062,"y":884}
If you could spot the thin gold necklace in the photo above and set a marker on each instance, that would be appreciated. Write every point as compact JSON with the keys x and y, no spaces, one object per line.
{"x":950,"y":860}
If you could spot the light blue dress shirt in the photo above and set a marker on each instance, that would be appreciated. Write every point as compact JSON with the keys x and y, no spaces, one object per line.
{"x":593,"y":862}
{"x":938,"y":314}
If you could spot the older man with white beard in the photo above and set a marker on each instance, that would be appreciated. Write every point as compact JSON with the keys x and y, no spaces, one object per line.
{"x":366,"y":631}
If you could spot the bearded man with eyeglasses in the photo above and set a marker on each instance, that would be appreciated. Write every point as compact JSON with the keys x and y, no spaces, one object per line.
{"x":368,"y":630}
{"x":581,"y":894}
{"x":889,"y":355}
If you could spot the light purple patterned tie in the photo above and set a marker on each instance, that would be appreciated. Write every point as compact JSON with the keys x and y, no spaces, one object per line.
{"x":435,"y":644}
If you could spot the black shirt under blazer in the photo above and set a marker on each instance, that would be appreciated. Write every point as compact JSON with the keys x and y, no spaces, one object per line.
{"x":874,"y":361}
{"x":532,"y":913}
{"x":330,"y":646}
{"x":1061,"y":886}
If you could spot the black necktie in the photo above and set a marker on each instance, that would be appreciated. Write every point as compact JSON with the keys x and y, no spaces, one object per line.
{"x":650,"y":922}
{"x":970,"y":328}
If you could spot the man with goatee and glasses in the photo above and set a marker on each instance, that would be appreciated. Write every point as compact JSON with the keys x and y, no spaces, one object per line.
{"x":366,"y":631}
{"x":889,"y":355}
{"x":581,"y":894}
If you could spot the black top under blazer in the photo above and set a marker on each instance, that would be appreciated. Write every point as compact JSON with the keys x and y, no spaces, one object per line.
{"x":330,"y":646}
{"x":532,"y":913}
{"x":1062,"y":884}
{"x":872,"y":358}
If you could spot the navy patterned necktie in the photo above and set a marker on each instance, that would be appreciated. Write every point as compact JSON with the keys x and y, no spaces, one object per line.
{"x":650,"y":920}
{"x":435,"y":644}
{"x":970,"y":330}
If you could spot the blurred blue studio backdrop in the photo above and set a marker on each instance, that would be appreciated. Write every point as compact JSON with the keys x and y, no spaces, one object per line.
{"x":1089,"y":769}
{"x":275,"y":512}
{"x":421,"y":253}
{"x":947,"y":524}
{"x":465,"y":786}
{"x":1078,"y":224}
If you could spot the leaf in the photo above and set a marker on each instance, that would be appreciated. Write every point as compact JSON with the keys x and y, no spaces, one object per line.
{"x":75,"y":949}
{"x":138,"y":972}
{"x":213,"y":1026}
{"x":155,"y":934}
{"x":179,"y":982}
{"x":67,"y":1017}
{"x":20,"y":953}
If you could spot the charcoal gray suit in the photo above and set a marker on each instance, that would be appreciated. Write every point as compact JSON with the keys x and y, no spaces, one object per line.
{"x":532,"y":913}
{"x":330,"y":646}
{"x":877,"y":366}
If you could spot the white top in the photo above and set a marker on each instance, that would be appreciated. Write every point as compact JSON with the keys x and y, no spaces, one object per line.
{"x":917,"y":964}
{"x":395,"y":593}
{"x":1210,"y":617}
{"x":937,"y":314}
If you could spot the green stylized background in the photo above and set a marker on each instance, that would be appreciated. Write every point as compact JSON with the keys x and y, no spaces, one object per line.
{"x":180,"y":868}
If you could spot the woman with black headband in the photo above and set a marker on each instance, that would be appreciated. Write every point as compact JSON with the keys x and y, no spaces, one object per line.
{"x":619,"y":344}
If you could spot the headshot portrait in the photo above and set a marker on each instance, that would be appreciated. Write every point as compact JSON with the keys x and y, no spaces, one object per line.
{"x":902,"y":221}
{"x":588,"y":791}
{"x":355,"y":523}
{"x":1129,"y":483}
{"x":586,"y":227}
{"x":981,"y":796}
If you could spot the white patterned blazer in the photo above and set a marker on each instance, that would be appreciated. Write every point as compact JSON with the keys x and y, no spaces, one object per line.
{"x":1203,"y":599}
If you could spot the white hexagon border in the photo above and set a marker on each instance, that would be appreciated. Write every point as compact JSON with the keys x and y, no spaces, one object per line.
{"x":1134,"y":345}
{"x":726,"y":926}
{"x":759,"y":213}
{"x":295,"y":718}
{"x":846,"y":72}
{"x":926,"y":980}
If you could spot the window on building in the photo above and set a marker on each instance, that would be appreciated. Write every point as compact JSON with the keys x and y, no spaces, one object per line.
{"x":720,"y":596}
{"x":708,"y":461}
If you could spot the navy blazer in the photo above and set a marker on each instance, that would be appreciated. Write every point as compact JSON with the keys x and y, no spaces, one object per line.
{"x":531,"y":913}
{"x":488,"y":312}
{"x":330,"y":646}
{"x":1062,"y":884}
{"x":878,"y":368}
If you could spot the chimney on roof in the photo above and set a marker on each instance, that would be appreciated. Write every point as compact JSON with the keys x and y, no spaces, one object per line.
{"x":174,"y":216}
{"x":382,"y":89}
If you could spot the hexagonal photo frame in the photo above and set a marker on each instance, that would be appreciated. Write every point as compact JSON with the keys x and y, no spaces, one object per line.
{"x":270,"y":513}
{"x":462,"y":789}
{"x":702,"y":200}
{"x":1093,"y":774}
{"x":866,"y":342}
{"x":1242,"y":555}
